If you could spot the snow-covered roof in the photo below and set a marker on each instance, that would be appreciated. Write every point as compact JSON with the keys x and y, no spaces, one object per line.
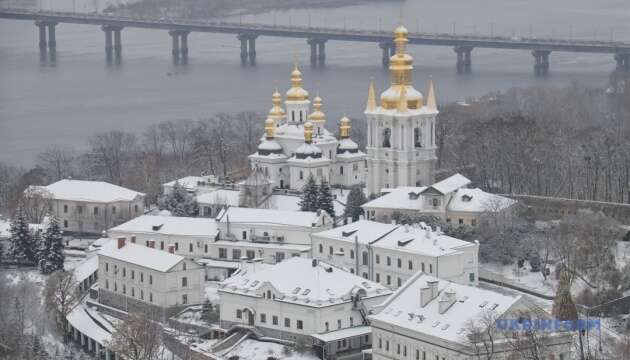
{"x":221,"y":196}
{"x":223,"y":264}
{"x":263,"y":245}
{"x":90,"y":323}
{"x":284,"y":202}
{"x":399,"y":198}
{"x":269,"y":145}
{"x":140,"y":255}
{"x":89,"y":191}
{"x":414,"y":239}
{"x":308,"y":149}
{"x":306,"y":282}
{"x":169,"y":225}
{"x":477,"y":200}
{"x":450,"y":184}
{"x":269,"y":216}
{"x":86,"y":268}
{"x":403,"y":309}
{"x":343,"y":333}
{"x":348,"y":144}
{"x":191,"y":183}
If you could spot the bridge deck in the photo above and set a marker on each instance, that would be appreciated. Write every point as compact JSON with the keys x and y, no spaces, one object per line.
{"x":497,"y":42}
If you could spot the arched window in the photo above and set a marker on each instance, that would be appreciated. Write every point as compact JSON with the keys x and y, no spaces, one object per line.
{"x":387,"y":134}
{"x":364,"y":256}
{"x":301,"y":175}
{"x":341,"y":170}
{"x":321,"y":248}
{"x":417,"y":137}
{"x":330,"y":250}
{"x":301,"y":116}
{"x":293,"y":115}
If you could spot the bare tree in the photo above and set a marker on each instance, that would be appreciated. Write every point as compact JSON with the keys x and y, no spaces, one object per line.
{"x":61,"y":295}
{"x":137,"y":338}
{"x":57,"y":161}
{"x":481,"y":335}
{"x":37,"y":203}
{"x":112,"y":155}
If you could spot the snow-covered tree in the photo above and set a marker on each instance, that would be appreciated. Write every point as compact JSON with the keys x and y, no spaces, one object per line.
{"x":353,"y":209}
{"x":325,"y":199}
{"x":308,"y":201}
{"x":51,"y":255}
{"x":179,"y":202}
{"x":22,"y":249}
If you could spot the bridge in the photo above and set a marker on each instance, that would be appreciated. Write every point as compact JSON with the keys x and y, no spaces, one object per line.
{"x":316,"y":38}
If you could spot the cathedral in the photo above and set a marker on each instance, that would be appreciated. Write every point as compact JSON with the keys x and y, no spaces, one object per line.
{"x":401,"y":148}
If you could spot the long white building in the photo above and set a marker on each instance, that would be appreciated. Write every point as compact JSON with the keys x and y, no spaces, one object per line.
{"x":390,"y":254}
{"x":137,"y":278}
{"x":90,"y":206}
{"x":429,"y":318}
{"x":191,"y":237}
{"x":303,"y":300}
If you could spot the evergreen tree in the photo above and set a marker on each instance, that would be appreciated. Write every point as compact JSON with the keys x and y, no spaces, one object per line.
{"x":179,"y":202}
{"x":325,"y":199}
{"x":55,"y":240}
{"x":40,"y":248}
{"x":353,"y":209}
{"x":308,"y":202}
{"x":21,"y":245}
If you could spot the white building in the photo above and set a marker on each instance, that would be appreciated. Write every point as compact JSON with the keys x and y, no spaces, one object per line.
{"x":211,"y":203}
{"x":136,"y":278}
{"x":90,"y":206}
{"x":428,"y":318}
{"x":390,"y":254}
{"x":401,"y":148}
{"x":296,"y":144}
{"x":303,"y":300}
{"x":448,"y":200}
{"x":270,"y":235}
{"x":193,"y":184}
{"x":191,"y":237}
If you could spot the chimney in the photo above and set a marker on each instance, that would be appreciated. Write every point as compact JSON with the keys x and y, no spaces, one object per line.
{"x":171,"y":248}
{"x":433,"y":285}
{"x":425,"y":296}
{"x":446,"y":301}
{"x":151,"y":244}
{"x":121,"y":242}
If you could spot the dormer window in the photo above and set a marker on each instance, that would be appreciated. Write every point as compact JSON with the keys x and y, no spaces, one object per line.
{"x":436,"y":202}
{"x":466,"y":198}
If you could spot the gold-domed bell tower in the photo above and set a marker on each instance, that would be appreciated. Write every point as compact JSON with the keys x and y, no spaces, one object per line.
{"x":317,"y":117}
{"x":297,"y":102}
{"x":400,"y":67}
{"x":308,"y":132}
{"x":277,"y":112}
{"x":270,"y":129}
{"x":344,"y":128}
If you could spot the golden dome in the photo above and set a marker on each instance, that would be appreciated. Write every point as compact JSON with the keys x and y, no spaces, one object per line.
{"x":296,"y":92}
{"x":276,"y":112}
{"x":344,"y":128}
{"x":400,"y":67}
{"x":270,"y":128}
{"x":317,"y":115}
{"x":308,"y":132}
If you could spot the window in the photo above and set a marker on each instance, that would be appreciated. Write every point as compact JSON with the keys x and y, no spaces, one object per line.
{"x":471,"y":277}
{"x":378,"y":277}
{"x":341,"y":170}
{"x":386,"y":345}
{"x":115,"y":286}
{"x":263,"y":318}
{"x":95,"y":210}
{"x":205,"y":248}
{"x":113,"y":209}
{"x":106,"y":267}
{"x":321,"y":248}
{"x":461,"y":221}
{"x":124,"y":272}
{"x":399,"y":263}
{"x":364,"y":257}
{"x":133,"y":239}
{"x":330,"y":250}
{"x":65,"y":223}
{"x":176,"y":246}
{"x":430,"y":268}
{"x":287,"y":322}
{"x":279,"y":256}
{"x":141,"y":277}
{"x":184,"y":299}
{"x":351,"y":321}
{"x":274,"y":320}
{"x":399,"y":282}
{"x":133,"y":292}
{"x":301,"y":175}
{"x":327,"y":326}
{"x":244,"y":235}
{"x":422,"y":267}
{"x":268,"y":294}
{"x":250,"y":254}
{"x":150,"y":279}
{"x":405,"y":350}
{"x":133,"y":274}
{"x":106,"y":284}
{"x":65,"y":209}
{"x":150,"y":297}
{"x":161,"y":245}
{"x":236,"y":254}
{"x":190,"y":247}
{"x":135,"y":208}
{"x":365,"y":275}
{"x":473,"y":222}
{"x":410,"y":265}
{"x":184,"y":281}
{"x":380,"y":343}
{"x":378,"y":259}
{"x":398,"y":349}
{"x":239,"y":314}
{"x":351,"y":254}
{"x":436,"y":202}
{"x":387,"y":133}
{"x":80,"y":209}
{"x":300,"y":325}
{"x":417,"y":134}
{"x":124,"y":289}
{"x":389,"y":280}
{"x":389,"y":261}
{"x":222,"y":253}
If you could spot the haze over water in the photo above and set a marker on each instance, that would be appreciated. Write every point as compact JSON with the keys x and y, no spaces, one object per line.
{"x":43,"y":104}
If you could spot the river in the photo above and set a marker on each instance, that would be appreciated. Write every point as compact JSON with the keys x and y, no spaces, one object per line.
{"x":66,"y":102}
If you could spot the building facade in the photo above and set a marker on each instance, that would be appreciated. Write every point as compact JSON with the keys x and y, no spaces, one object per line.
{"x":390,"y":254}
{"x":401,"y":148}
{"x":303,"y":300}
{"x":90,"y":206}
{"x":137,"y":278}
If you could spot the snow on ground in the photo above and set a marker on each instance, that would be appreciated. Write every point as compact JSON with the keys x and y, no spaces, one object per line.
{"x":34,"y":276}
{"x":259,"y":350}
{"x":622,"y":253}
{"x":204,"y":345}
{"x":524,"y":277}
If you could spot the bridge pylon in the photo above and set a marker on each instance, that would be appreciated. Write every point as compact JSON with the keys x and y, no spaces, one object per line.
{"x":248,"y":48}
{"x":541,"y":62}
{"x":318,"y":51}
{"x":179,"y":40}
{"x":113,"y":42}
{"x":464,"y":59}
{"x":623,"y":61}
